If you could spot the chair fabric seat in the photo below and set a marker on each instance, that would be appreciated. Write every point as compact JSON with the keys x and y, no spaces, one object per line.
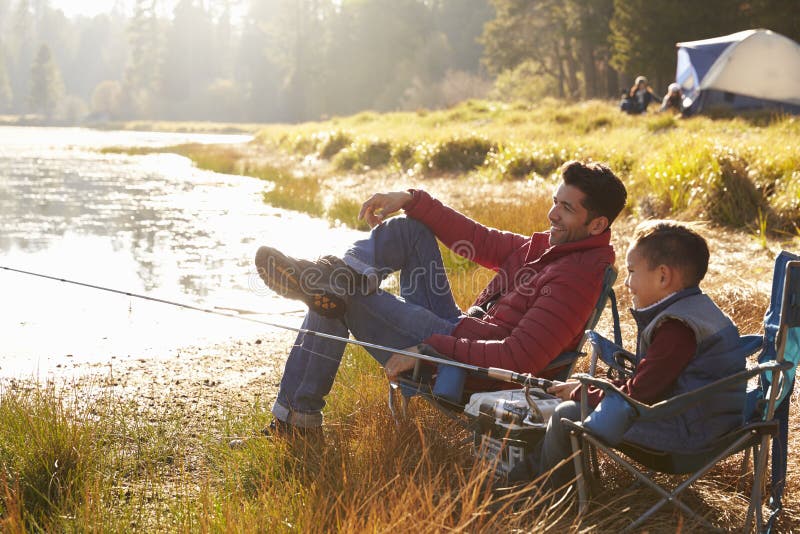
{"x":678,"y":463}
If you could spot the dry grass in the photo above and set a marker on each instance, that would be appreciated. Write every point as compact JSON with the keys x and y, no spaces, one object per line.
{"x":374,"y":475}
{"x":739,"y":281}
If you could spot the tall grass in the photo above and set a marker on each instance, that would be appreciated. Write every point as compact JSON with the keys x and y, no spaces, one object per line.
{"x":671,"y":166}
{"x":48,"y":453}
{"x":495,"y":163}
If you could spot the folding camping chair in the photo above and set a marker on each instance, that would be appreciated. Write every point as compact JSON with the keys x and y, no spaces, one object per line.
{"x":421,"y":381}
{"x":780,"y":351}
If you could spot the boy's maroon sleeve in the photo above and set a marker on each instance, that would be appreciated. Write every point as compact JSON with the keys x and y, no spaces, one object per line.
{"x":672,"y":348}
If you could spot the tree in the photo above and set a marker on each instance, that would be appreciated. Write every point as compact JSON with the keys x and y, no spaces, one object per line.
{"x":106,"y":99}
{"x":462,"y":21}
{"x":47,"y":89}
{"x":189,"y":55}
{"x":565,"y":40}
{"x":6,"y":94}
{"x":141,"y":72}
{"x":644,"y":33}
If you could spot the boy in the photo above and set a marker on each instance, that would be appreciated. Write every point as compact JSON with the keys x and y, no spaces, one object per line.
{"x":685,"y":341}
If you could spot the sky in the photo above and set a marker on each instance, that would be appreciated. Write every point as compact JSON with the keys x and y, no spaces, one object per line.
{"x":90,"y":8}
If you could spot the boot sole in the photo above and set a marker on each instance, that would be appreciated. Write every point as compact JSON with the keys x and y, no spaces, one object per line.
{"x":280,"y":274}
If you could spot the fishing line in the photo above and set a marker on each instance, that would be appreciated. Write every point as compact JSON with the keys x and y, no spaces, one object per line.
{"x":491,"y":372}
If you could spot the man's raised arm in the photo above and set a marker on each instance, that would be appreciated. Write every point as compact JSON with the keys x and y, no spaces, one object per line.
{"x":381,"y":205}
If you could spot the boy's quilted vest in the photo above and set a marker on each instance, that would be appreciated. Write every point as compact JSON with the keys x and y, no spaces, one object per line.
{"x":718,"y":355}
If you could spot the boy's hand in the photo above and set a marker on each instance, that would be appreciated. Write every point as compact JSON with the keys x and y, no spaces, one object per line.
{"x":563,"y":390}
{"x":381,"y":205}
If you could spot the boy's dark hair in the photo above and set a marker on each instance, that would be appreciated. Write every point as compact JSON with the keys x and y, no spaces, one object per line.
{"x":605,"y":193}
{"x":673,"y":244}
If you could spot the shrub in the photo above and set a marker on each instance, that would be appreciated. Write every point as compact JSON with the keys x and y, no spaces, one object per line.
{"x":733,"y":200}
{"x":459,"y":154}
{"x":363,"y":155}
{"x":303,"y":145}
{"x":664,"y":121}
{"x":345,"y":211}
{"x":376,"y":153}
{"x":347,"y":159}
{"x":330,"y":143}
{"x":299,"y":194}
{"x":523,"y":83}
{"x":47,"y":452}
{"x":404,"y":155}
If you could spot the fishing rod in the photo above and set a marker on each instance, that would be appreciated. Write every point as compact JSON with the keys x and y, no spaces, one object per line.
{"x":426,"y":353}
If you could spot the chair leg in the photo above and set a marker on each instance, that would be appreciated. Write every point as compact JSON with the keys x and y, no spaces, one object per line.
{"x":756,"y":494}
{"x":392,"y":403}
{"x":580,"y":480}
{"x":743,"y":469}
{"x":665,"y":495}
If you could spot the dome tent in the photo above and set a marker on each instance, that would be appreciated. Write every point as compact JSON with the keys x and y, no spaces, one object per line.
{"x":744,"y":70}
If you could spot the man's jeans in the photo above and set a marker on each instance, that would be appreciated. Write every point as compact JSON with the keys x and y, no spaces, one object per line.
{"x":425,"y":307}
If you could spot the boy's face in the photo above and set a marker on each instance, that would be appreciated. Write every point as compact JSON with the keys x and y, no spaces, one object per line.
{"x":645,"y":284}
{"x":569,"y":220}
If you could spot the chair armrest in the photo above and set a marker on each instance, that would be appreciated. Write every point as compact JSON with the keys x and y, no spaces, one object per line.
{"x":612,"y":355}
{"x":680,"y":403}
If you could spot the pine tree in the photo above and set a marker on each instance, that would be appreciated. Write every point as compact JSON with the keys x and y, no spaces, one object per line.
{"x":141,"y":71}
{"x":6,"y":94}
{"x":47,"y":89}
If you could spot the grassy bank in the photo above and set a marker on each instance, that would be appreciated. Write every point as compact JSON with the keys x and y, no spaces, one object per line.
{"x":139,"y":470}
{"x":740,"y":171}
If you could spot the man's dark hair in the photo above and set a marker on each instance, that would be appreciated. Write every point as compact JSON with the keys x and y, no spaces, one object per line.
{"x":605,"y":193}
{"x":675,"y":245}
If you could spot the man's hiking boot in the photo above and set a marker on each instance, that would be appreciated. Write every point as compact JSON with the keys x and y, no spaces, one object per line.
{"x":278,"y":429}
{"x":284,"y":430}
{"x":324,"y":285}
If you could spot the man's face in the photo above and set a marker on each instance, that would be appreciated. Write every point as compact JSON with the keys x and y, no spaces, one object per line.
{"x":569,"y":220}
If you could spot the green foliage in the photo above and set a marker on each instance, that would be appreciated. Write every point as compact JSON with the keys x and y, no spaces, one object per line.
{"x":733,"y":200}
{"x":523,"y":83}
{"x":561,"y":41}
{"x":459,"y":154}
{"x":364,"y":155}
{"x":345,"y":210}
{"x":664,"y":121}
{"x":47,"y":89}
{"x":48,"y":451}
{"x":330,"y":143}
{"x":515,"y":162}
{"x":299,"y":194}
{"x":404,"y":155}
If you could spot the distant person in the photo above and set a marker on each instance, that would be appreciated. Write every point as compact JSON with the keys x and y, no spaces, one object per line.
{"x":642,"y":95}
{"x":626,"y":103}
{"x":673,"y":99}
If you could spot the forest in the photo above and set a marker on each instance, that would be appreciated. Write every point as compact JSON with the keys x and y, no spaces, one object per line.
{"x":300,"y":60}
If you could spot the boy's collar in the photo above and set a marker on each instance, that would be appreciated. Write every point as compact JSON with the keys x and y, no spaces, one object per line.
{"x":644,"y":316}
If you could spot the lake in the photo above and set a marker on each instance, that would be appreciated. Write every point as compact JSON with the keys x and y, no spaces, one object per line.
{"x":150,"y":224}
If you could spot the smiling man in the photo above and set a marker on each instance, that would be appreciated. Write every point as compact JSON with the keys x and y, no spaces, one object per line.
{"x":533,"y":309}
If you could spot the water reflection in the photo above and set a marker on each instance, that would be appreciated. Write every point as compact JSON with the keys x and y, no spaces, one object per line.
{"x":147,"y":224}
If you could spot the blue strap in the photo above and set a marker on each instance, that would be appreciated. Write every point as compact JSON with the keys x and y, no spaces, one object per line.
{"x":615,"y":316}
{"x":780,"y":444}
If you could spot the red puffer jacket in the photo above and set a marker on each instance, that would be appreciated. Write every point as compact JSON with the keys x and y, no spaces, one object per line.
{"x":544,"y":294}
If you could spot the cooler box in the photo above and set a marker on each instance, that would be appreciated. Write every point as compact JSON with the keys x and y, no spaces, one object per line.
{"x":508,"y":426}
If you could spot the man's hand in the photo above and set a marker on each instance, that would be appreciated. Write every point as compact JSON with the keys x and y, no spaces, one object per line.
{"x":381,"y":205}
{"x":400,"y":363}
{"x":563,"y":390}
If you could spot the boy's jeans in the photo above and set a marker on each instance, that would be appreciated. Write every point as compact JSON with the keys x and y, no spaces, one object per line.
{"x":425,"y":307}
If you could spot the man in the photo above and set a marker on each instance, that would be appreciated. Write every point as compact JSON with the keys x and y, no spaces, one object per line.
{"x":534,"y":308}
